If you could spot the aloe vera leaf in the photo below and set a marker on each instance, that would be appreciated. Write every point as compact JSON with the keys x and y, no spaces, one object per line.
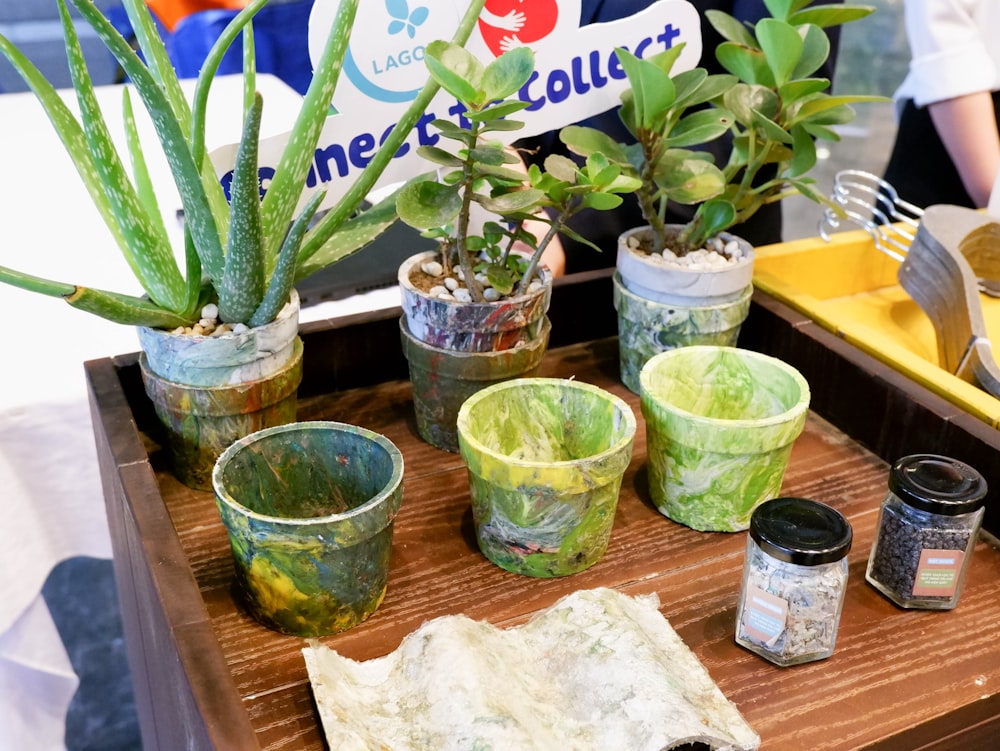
{"x":242,"y":285}
{"x":359,"y":190}
{"x":197,"y":210}
{"x":280,"y":286}
{"x":69,"y":131}
{"x":124,"y":309}
{"x":157,"y":59}
{"x":135,"y":311}
{"x":289,"y":179}
{"x":146,"y":249}
{"x":140,"y":173}
{"x":353,"y":235}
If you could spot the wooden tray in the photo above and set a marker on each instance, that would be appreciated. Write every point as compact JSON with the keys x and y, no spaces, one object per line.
{"x":209,"y":677}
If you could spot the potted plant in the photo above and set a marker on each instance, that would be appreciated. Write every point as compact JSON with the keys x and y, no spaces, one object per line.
{"x":691,"y":284}
{"x":474,"y":310}
{"x":220,"y":336}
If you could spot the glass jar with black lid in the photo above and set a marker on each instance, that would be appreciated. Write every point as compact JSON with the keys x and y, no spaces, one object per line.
{"x":926,"y":531}
{"x":794,"y":581}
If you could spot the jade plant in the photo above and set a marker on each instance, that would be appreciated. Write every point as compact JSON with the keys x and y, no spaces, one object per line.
{"x":244,"y":254}
{"x":770,"y":100}
{"x":481,"y":170}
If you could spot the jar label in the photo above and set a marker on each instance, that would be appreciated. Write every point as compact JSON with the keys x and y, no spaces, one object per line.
{"x":937,"y":573}
{"x":764,"y":616}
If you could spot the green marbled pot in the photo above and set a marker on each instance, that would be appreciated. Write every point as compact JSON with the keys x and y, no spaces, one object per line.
{"x":720,"y":424}
{"x":309,"y":509}
{"x":647,"y":327}
{"x":546,"y":458}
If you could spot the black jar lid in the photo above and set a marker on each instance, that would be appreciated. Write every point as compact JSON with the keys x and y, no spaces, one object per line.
{"x":937,"y":484}
{"x":801,"y":531}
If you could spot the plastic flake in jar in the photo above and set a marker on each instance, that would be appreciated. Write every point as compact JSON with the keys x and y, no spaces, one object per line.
{"x":794,"y":581}
{"x":926,"y":531}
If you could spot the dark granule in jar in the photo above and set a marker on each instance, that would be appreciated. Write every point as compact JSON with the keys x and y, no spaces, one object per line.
{"x":899,"y":544}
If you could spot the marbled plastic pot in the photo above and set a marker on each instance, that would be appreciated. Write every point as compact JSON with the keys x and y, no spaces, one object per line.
{"x":471,"y":327}
{"x":545,"y":458}
{"x":208,"y":391}
{"x":647,"y":327}
{"x":442,"y":379}
{"x":200,"y":422}
{"x":309,"y":510}
{"x":720,"y":424}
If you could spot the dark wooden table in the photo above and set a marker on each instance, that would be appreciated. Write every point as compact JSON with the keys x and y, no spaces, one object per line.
{"x":208,"y":676}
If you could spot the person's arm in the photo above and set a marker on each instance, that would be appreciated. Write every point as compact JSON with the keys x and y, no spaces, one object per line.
{"x":968,"y":128}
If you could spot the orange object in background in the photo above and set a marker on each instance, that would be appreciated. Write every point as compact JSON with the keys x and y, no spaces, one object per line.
{"x":169,"y":12}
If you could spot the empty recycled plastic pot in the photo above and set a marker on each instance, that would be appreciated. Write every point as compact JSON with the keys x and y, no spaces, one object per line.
{"x":720,"y":424}
{"x":442,"y":379}
{"x":546,"y":458}
{"x":309,"y":509}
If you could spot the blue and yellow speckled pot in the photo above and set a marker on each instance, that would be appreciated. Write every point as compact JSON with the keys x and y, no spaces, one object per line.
{"x":546,"y":458}
{"x":309,"y":508}
{"x":720,"y":424}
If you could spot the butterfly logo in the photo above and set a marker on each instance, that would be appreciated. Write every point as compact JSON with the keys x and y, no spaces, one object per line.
{"x":403,"y":19}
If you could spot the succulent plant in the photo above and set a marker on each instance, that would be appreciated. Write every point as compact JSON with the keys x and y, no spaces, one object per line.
{"x":770,"y":100}
{"x":245,"y":254}
{"x":482,"y":170}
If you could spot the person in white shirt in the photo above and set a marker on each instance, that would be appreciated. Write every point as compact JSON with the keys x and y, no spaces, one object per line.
{"x":947,"y":147}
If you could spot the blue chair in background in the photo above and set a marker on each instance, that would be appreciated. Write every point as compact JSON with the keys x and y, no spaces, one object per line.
{"x":281,"y":41}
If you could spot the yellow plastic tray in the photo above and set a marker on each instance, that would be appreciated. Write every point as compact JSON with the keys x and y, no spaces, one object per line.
{"x":850,"y":288}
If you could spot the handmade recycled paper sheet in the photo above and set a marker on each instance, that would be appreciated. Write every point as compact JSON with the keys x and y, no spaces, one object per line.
{"x":598,"y":671}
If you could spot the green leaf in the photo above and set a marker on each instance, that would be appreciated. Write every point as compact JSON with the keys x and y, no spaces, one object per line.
{"x":586,"y":141}
{"x":717,"y":215}
{"x":749,"y":65}
{"x":143,"y":184}
{"x":285,"y":190}
{"x":730,"y":29}
{"x":508,"y":73}
{"x":242,"y":285}
{"x":700,"y":127}
{"x":782,"y":46}
{"x":146,"y":246}
{"x":687,"y":178}
{"x":708,"y":89}
{"x":815,"y":51}
{"x":769,"y":129}
{"x":124,"y":309}
{"x":794,"y":91}
{"x":601,"y":201}
{"x":652,"y":90}
{"x":457,"y":71}
{"x":665,"y":60}
{"x":561,"y":167}
{"x":497,"y":111}
{"x":439,"y":156}
{"x":502,"y":125}
{"x":500,"y":279}
{"x":803,"y":151}
{"x":279,"y":289}
{"x":831,"y":15}
{"x":353,"y":235}
{"x":780,"y":9}
{"x":513,"y":202}
{"x":743,"y":100}
{"x":198,"y":216}
{"x":427,"y":204}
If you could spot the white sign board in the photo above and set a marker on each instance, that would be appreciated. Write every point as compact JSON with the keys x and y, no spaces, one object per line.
{"x":577,"y":74}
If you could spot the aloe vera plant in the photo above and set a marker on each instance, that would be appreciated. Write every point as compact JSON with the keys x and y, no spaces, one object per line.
{"x":247,"y":253}
{"x":483,"y":171}
{"x":770,"y":100}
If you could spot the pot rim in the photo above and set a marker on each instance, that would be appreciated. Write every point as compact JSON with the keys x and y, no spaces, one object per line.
{"x":788,"y":415}
{"x":386,"y":492}
{"x":624,"y":410}
{"x":403,"y":277}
